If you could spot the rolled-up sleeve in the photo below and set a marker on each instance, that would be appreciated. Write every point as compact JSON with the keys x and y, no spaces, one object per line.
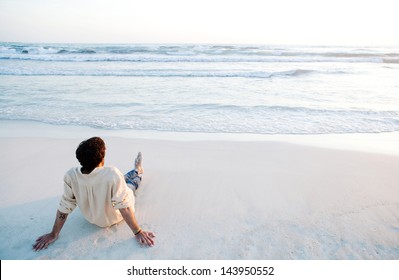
{"x":121,"y":194}
{"x":68,"y":200}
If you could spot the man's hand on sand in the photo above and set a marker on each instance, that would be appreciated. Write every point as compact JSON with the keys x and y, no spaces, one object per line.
{"x":146,"y":238}
{"x":43,"y":241}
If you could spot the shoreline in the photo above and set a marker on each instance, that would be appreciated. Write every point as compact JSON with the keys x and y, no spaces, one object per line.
{"x":382,"y":143}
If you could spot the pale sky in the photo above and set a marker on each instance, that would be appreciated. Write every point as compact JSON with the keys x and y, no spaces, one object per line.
{"x":322,"y":22}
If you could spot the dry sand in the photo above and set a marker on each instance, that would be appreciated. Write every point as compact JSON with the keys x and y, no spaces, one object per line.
{"x":208,"y":200}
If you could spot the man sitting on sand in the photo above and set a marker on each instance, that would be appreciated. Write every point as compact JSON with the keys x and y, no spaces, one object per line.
{"x":104,"y":195}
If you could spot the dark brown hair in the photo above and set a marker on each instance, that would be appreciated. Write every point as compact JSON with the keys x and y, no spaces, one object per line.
{"x":90,"y":153}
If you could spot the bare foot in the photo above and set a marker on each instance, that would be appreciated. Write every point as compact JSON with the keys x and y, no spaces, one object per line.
{"x":137,"y":164}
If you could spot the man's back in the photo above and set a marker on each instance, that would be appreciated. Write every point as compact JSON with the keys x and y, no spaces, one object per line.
{"x":98,"y":195}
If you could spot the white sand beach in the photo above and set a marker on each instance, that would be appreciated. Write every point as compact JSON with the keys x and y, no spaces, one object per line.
{"x":206,"y":199}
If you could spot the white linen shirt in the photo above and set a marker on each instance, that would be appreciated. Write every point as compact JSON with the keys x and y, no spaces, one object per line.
{"x":99,"y":195}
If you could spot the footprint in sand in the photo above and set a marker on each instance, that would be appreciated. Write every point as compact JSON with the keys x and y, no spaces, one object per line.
{"x":99,"y":240}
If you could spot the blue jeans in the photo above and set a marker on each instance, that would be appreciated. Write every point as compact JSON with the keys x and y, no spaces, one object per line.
{"x":133,"y":178}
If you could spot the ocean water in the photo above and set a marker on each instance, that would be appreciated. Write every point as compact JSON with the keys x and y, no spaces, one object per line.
{"x":203,"y":88}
